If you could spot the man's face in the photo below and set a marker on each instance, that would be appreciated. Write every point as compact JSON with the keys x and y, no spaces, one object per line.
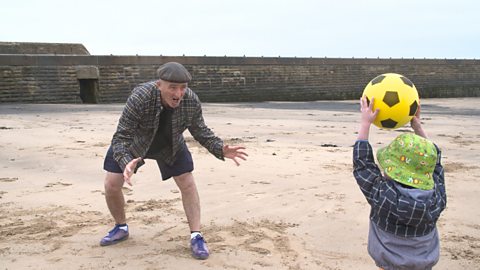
{"x":171,"y":93}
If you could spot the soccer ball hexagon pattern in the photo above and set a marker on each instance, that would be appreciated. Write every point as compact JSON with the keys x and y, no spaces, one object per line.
{"x":396,"y":98}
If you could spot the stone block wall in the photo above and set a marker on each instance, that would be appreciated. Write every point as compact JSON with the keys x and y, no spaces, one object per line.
{"x":57,"y":79}
{"x":42,"y":48}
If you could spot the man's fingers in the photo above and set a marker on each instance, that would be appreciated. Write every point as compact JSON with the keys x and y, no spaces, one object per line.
{"x":234,"y":148}
{"x":127,"y":174}
{"x":242,"y":157}
{"x":236,"y":162}
{"x":232,"y":152}
{"x":135,"y":161}
{"x":242,"y":153}
{"x":126,"y":177}
{"x":128,"y":181}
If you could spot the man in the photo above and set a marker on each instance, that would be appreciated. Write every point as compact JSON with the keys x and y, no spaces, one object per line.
{"x":151,"y":126}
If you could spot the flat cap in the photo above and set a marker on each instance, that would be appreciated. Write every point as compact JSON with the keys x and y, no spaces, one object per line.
{"x":174,"y":72}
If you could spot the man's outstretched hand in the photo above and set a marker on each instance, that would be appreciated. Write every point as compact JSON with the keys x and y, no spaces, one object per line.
{"x":129,"y":169}
{"x":234,"y":152}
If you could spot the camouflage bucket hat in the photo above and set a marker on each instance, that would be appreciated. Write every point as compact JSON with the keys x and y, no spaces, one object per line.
{"x":409,"y":159}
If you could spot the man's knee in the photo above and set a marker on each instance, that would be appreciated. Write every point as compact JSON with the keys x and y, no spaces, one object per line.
{"x":185,"y":182}
{"x":113,"y":182}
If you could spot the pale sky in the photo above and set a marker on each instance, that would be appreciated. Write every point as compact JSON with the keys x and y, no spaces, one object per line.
{"x":270,"y":28}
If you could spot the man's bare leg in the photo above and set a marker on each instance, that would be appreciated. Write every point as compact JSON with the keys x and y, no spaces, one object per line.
{"x":114,"y":196}
{"x":190,"y":199}
{"x":116,"y":205}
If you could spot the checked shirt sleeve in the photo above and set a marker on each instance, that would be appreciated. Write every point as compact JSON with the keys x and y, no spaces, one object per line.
{"x":127,"y":124}
{"x":204,"y":135}
{"x":439,"y":178}
{"x":365,"y":171}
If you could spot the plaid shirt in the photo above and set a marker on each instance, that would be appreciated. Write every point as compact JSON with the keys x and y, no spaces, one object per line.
{"x":138,"y":125}
{"x":392,"y":211}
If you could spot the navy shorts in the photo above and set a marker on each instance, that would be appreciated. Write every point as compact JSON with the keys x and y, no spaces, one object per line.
{"x":182,"y":164}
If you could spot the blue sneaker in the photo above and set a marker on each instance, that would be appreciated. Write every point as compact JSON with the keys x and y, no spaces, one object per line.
{"x":199,"y":248}
{"x":117,"y":234}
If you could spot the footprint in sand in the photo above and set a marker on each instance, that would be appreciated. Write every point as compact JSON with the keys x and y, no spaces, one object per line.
{"x":457,"y":166}
{"x":8,"y":179}
{"x":260,"y":182}
{"x":127,"y":191}
{"x":269,"y":240}
{"x":49,"y":185}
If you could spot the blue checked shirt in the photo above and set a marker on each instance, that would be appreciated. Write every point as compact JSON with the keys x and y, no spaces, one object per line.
{"x":138,"y":125}
{"x":391,"y":211}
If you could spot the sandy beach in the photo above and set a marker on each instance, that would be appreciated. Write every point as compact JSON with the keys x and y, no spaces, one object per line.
{"x":293,"y":205}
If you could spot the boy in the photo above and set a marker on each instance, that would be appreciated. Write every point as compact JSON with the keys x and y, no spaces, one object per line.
{"x":406,"y":201}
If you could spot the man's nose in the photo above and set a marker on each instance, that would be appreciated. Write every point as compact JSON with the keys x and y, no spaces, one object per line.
{"x":179,"y":92}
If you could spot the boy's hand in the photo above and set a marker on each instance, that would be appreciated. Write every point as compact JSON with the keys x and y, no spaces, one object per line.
{"x":417,"y":124}
{"x":368,"y":115}
{"x":367,"y":118}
